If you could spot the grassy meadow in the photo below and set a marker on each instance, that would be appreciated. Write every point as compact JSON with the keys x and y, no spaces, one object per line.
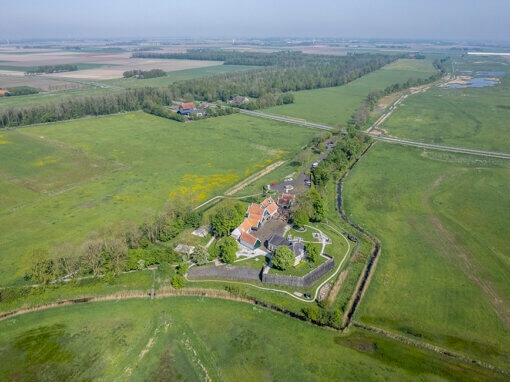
{"x":66,"y":179}
{"x":442,"y":218}
{"x":178,"y":75}
{"x":463,"y":117}
{"x":189,"y":338}
{"x":335,"y":106}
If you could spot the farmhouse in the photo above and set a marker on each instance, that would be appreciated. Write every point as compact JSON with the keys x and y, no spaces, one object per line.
{"x":297,"y":248}
{"x":187,"y":108}
{"x":4,"y":93}
{"x":238,"y":100}
{"x":256,"y":216}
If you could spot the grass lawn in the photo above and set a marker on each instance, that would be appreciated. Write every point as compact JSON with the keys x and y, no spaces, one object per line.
{"x":443,"y":275}
{"x":178,"y":75}
{"x":335,"y":106}
{"x":188,"y":338}
{"x":102,"y":170}
{"x":463,"y":117}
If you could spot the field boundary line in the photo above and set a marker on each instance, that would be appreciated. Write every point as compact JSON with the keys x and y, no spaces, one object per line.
{"x":430,"y":347}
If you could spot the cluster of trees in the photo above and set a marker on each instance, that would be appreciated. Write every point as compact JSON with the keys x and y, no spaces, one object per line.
{"x":116,"y":248}
{"x":22,"y":90}
{"x":283,"y":258}
{"x":227,"y":218}
{"x":72,"y":108}
{"x":140,"y":74}
{"x":163,"y":112}
{"x":53,"y":69}
{"x":340,"y":157}
{"x":311,"y":204}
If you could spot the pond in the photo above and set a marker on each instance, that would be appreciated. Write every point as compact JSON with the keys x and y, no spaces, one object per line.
{"x":484,"y":73}
{"x":476,"y":82}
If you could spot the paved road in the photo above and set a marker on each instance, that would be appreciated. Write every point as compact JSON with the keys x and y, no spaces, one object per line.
{"x":383,"y":139}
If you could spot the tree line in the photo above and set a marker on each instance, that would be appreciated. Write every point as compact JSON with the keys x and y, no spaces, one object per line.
{"x":53,"y":69}
{"x":144,"y":74}
{"x":21,"y":90}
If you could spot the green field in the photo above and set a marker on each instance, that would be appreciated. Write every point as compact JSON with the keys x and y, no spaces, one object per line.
{"x":178,"y":75}
{"x":444,"y":272}
{"x":463,"y":117}
{"x":188,"y":338}
{"x":45,"y":98}
{"x":78,"y":176}
{"x":335,"y":106}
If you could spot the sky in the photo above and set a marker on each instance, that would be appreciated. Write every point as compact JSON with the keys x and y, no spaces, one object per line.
{"x":404,"y":19}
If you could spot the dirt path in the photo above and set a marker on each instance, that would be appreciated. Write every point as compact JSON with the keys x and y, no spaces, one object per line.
{"x":238,"y":187}
{"x":448,"y":245}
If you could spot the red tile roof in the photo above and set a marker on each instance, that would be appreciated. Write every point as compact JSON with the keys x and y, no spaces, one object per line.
{"x":272,"y":208}
{"x":250,"y":239}
{"x":267,"y":202}
{"x":285,"y":199}
{"x":4,"y":92}
{"x":254,"y":220}
{"x":255,"y":209}
{"x":187,"y":105}
{"x":245,"y":226}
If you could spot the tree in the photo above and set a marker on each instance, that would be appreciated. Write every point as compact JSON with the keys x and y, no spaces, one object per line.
{"x":313,"y":253}
{"x":116,"y":249}
{"x":200,"y":255}
{"x":92,"y":252}
{"x":182,"y":268}
{"x":228,"y":249}
{"x":283,"y":258}
{"x":42,"y":267}
{"x":227,"y":218}
{"x":300,"y":218}
{"x":178,"y":281}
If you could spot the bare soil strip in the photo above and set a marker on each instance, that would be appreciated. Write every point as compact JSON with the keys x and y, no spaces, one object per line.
{"x":238,"y":187}
{"x":446,"y":242}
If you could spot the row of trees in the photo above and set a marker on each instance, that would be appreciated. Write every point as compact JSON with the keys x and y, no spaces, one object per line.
{"x":53,"y":69}
{"x":22,"y":90}
{"x":141,"y":74}
{"x":72,"y":108}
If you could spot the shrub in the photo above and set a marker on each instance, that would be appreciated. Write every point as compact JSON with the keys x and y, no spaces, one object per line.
{"x":283,"y":258}
{"x":178,"y":281}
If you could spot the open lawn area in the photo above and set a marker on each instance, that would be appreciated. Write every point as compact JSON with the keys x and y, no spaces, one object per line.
{"x":66,"y":179}
{"x":463,"y":117}
{"x":189,"y":338}
{"x":444,"y":272}
{"x":335,"y":106}
{"x":178,"y":75}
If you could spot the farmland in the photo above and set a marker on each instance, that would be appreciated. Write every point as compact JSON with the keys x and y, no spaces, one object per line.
{"x":178,"y":75}
{"x":468,"y":117}
{"x":335,"y":106}
{"x":78,"y":176}
{"x":443,"y":222}
{"x":191,"y":338}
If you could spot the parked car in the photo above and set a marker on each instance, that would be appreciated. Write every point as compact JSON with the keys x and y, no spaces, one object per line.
{"x":308,"y":183}
{"x":308,"y":295}
{"x":315,"y":164}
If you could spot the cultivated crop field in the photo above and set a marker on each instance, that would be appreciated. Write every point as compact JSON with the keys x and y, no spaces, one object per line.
{"x":189,"y":338}
{"x":177,"y":75}
{"x":464,"y":117}
{"x":335,"y":106}
{"x":443,"y":275}
{"x":66,"y":179}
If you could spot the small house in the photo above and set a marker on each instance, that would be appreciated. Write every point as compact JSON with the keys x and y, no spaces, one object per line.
{"x":249,"y":240}
{"x":297,"y":248}
{"x":187,"y":108}
{"x":285,"y":200}
{"x":4,"y":93}
{"x":238,"y":100}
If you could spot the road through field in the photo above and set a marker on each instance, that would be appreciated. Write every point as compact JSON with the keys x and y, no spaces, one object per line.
{"x":382,"y":139}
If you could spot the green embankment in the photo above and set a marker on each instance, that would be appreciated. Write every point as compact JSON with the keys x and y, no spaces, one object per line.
{"x":188,"y":338}
{"x":443,"y":274}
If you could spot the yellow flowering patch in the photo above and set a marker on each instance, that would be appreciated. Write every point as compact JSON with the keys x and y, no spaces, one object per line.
{"x":269,"y":160}
{"x":45,"y":161}
{"x":198,"y":187}
{"x":4,"y":142}
{"x":260,"y":165}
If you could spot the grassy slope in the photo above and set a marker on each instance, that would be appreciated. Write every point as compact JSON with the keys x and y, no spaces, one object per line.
{"x":335,"y":106}
{"x":153,"y":157}
{"x":178,"y":75}
{"x":423,"y":286}
{"x":189,"y":338}
{"x":464,"y":117}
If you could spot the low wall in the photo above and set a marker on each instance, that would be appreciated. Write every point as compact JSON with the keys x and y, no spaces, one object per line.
{"x":225,"y":272}
{"x":301,"y":282}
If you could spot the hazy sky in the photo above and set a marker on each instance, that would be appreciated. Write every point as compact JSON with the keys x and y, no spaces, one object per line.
{"x":408,"y":19}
